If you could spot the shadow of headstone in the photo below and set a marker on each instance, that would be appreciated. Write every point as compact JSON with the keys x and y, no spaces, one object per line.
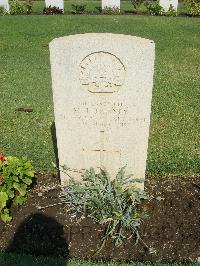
{"x":39,"y":235}
{"x":54,"y":141}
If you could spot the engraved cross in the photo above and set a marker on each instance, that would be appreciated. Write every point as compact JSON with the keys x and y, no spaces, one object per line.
{"x":102,"y":150}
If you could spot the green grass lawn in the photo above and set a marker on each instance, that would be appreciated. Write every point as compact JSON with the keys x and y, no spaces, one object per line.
{"x":26,"y":82}
{"x":24,"y":260}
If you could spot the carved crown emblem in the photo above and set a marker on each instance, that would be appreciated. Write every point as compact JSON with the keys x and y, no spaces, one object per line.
{"x":102,"y":72}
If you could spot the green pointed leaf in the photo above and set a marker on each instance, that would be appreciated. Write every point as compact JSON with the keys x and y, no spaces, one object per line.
{"x":19,"y":200}
{"x":10,"y":194}
{"x":27,"y":181}
{"x":20,"y":188}
{"x":3,"y":199}
{"x":5,"y":216}
{"x":29,"y":173}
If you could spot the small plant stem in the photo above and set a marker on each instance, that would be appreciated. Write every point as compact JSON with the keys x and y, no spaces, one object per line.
{"x":51,"y":205}
{"x":142,"y":241}
{"x":73,"y":170}
{"x":103,"y":240}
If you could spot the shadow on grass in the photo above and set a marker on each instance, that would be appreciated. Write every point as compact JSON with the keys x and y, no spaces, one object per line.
{"x":39,"y":235}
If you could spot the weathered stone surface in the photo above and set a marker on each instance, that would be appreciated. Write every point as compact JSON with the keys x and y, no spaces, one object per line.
{"x":115,"y":4}
{"x":5,"y":5}
{"x":166,"y":4}
{"x":102,"y":89}
{"x":57,"y":3}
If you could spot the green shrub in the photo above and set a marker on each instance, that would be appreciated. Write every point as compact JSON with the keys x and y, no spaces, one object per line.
{"x":78,"y":9}
{"x":17,"y":7}
{"x":98,"y":9}
{"x":28,"y":6}
{"x":110,"y":10}
{"x":154,"y":8}
{"x":52,"y":10}
{"x":192,"y":7}
{"x":2,"y":11}
{"x":15,"y":177}
{"x":171,"y":12}
{"x":112,"y":203}
{"x":137,"y":3}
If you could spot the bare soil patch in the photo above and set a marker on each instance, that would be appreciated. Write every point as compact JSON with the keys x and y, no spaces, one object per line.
{"x":172,"y":229}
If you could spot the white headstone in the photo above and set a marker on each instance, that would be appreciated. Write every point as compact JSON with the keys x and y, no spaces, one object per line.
{"x":115,"y":4}
{"x":56,"y":3}
{"x":102,"y":88}
{"x":166,"y":4}
{"x":5,"y":5}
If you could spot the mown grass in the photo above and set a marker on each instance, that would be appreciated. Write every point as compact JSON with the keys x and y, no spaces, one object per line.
{"x":24,"y":260}
{"x":25,"y":81}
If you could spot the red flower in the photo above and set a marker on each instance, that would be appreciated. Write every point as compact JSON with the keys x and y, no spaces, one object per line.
{"x":2,"y":158}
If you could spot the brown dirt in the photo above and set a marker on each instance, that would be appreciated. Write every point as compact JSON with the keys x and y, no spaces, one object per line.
{"x":172,"y":229}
